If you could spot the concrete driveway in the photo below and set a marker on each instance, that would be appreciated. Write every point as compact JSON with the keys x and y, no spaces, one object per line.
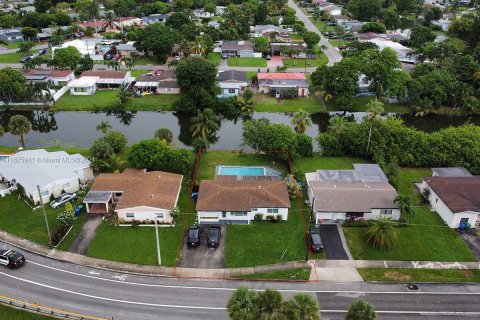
{"x":332,"y":242}
{"x":82,"y":242}
{"x":203,"y":256}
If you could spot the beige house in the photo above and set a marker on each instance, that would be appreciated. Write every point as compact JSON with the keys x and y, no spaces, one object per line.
{"x":160,"y":82}
{"x":135,"y":194}
{"x":273,"y":83}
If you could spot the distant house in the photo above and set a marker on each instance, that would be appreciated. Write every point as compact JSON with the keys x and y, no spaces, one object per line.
{"x":202,"y":14}
{"x":124,"y":22}
{"x":127,"y":49}
{"x":135,"y":195}
{"x":455,"y":194}
{"x":236,"y":200}
{"x":220,"y":10}
{"x":214,"y":24}
{"x":98,"y":25}
{"x":261,"y":29}
{"x":161,"y":82}
{"x":338,"y":195}
{"x":109,"y":78}
{"x":156,"y":18}
{"x":280,"y":37}
{"x":53,"y":172}
{"x":55,"y":77}
{"x":237,"y":48}
{"x":11,"y":35}
{"x":232,"y":82}
{"x":278,"y":48}
{"x":272,"y":83}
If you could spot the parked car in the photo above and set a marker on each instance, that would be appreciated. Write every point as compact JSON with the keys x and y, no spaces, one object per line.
{"x":224,"y":56}
{"x":213,"y":237}
{"x":343,"y":47}
{"x":64,"y":198}
{"x":25,"y":59}
{"x":193,"y":236}
{"x":314,"y":241}
{"x":11,"y":259}
{"x":41,"y":52}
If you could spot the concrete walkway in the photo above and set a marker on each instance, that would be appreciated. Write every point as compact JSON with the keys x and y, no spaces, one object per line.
{"x":82,"y":242}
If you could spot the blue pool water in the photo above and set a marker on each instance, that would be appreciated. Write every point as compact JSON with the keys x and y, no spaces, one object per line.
{"x":241,"y":171}
{"x":2,"y":158}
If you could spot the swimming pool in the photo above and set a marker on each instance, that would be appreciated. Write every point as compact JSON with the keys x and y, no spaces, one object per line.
{"x":241,"y":171}
{"x":3,"y":158}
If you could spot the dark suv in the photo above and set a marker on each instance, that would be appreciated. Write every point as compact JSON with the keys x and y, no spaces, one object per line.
{"x":193,"y":236}
{"x":213,"y":237}
{"x":11,"y":259}
{"x":314,"y":241}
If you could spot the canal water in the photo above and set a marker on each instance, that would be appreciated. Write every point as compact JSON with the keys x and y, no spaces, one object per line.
{"x":79,"y":128}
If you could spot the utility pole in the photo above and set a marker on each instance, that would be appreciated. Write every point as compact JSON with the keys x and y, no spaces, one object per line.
{"x":44,"y":215}
{"x":158,"y":243}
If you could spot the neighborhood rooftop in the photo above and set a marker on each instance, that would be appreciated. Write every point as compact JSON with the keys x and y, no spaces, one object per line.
{"x":458,"y":193}
{"x":232,"y":76}
{"x":451,"y":172}
{"x":360,"y":173}
{"x":281,"y":76}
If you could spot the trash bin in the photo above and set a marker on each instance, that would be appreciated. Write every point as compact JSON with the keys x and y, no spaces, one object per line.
{"x":78,"y":210}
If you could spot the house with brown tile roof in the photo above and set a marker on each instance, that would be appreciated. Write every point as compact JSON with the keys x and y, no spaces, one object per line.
{"x":135,"y":194}
{"x":339,"y":195}
{"x":236,"y":199}
{"x":455,"y":194}
{"x":160,"y":82}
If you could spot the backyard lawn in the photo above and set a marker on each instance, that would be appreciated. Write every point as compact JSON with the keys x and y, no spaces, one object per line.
{"x":146,"y":60}
{"x":420,"y":275}
{"x":214,"y":58}
{"x":264,"y":103}
{"x":312,"y":164}
{"x":247,"y":62}
{"x":292,"y":274}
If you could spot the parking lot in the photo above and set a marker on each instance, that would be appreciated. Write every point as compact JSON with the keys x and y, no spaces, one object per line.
{"x":203,"y":256}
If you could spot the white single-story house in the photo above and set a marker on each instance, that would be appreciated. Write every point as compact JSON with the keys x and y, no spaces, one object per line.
{"x":272,"y":83}
{"x":214,"y":24}
{"x":11,"y":35}
{"x":243,"y":49}
{"x":135,"y":195}
{"x":55,"y":77}
{"x":202,"y":14}
{"x":361,"y":193}
{"x":232,"y":83}
{"x":156,"y":18}
{"x":455,"y":194}
{"x":161,"y":82}
{"x":109,"y":78}
{"x":84,"y":86}
{"x":53,"y":172}
{"x":236,"y":200}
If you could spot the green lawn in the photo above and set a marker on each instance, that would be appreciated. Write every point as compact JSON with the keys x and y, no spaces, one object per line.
{"x":299,"y":63}
{"x":15,"y":314}
{"x":293,"y":274}
{"x":104,"y":98}
{"x":15,"y":45}
{"x":336,"y":43}
{"x":12,"y":57}
{"x":360,"y":105}
{"x":420,"y":275}
{"x":247,"y":62}
{"x":146,"y":60}
{"x":264,"y":103}
{"x":322,"y":25}
{"x":215,"y":58}
{"x":137,"y":73}
{"x":318,"y":162}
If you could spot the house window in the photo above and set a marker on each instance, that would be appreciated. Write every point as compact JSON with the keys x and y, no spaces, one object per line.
{"x":66,"y":186}
{"x":238,"y":213}
{"x":436,"y":200}
{"x":272,"y":210}
{"x":129,"y":215}
{"x":231,"y":90}
{"x":355,"y":214}
{"x":464,"y":220}
{"x":44,"y":193}
{"x":254,"y":209}
{"x":169,"y":90}
{"x":224,"y":214}
{"x":159,"y":215}
{"x":386,"y":211}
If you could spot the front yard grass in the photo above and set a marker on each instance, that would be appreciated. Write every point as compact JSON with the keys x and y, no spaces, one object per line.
{"x":264,"y":103}
{"x":420,"y":275}
{"x":246,"y":62}
{"x":292,"y":274}
{"x":320,"y":60}
{"x":215,"y":58}
{"x":12,"y":57}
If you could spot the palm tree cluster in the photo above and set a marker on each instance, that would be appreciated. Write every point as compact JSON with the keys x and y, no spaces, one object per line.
{"x":382,"y":233}
{"x":361,"y":310}
{"x":205,"y":124}
{"x":246,"y":304}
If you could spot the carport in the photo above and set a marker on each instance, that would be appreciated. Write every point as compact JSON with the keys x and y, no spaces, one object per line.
{"x":97,"y":201}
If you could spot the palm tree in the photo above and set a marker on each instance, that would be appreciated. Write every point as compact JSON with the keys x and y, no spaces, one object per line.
{"x":382,"y":233}
{"x":301,"y":121}
{"x":19,"y":125}
{"x":114,"y":164}
{"x":109,"y":19}
{"x":129,"y":63}
{"x":248,"y":95}
{"x":404,"y":203}
{"x":361,"y":310}
{"x":302,"y":307}
{"x":270,"y":304}
{"x":205,"y":124}
{"x":242,"y":305}
{"x":2,"y":131}
{"x":375,"y":108}
{"x":164,"y":134}
{"x":198,"y":46}
{"x":246,"y":108}
{"x":112,"y":64}
{"x":424,"y":107}
{"x":104,"y":127}
{"x":337,"y":124}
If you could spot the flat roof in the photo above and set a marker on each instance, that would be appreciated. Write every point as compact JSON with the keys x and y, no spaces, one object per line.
{"x":97,"y":197}
{"x":83,"y":82}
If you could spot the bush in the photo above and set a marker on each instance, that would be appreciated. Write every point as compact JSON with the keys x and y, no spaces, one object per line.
{"x":117,"y":140}
{"x":101,"y":149}
{"x":258,"y":217}
{"x":164,"y":134}
{"x":373,"y":27}
{"x":135,"y":223}
{"x":330,"y":145}
{"x":279,"y":218}
{"x":67,"y":217}
{"x":288,"y":93}
{"x":271,"y":218}
{"x":304,"y":145}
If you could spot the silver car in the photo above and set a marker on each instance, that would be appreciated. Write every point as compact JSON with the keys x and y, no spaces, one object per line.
{"x":64,"y":198}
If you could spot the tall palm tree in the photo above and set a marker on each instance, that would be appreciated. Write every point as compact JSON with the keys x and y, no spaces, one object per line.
{"x":404,"y":203}
{"x":302,"y":307}
{"x":114,"y":164}
{"x":19,"y":126}
{"x":270,"y":304}
{"x":129,"y":63}
{"x":104,"y":127}
{"x":382,"y":233}
{"x":375,"y":108}
{"x":337,"y":124}
{"x":164,"y":134}
{"x":301,"y":121}
{"x":205,"y":124}
{"x":198,"y":46}
{"x":2,"y":131}
{"x":361,"y":310}
{"x":242,"y":305}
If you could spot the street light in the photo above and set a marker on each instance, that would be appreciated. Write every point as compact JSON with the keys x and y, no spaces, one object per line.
{"x":44,"y":215}
{"x":158,"y":243}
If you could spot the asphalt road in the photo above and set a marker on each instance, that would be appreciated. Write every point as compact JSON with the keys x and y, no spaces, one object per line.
{"x":331,"y":52}
{"x":107,"y":294}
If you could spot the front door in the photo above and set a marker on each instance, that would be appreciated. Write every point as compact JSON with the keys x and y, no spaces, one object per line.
{"x":277,"y":94}
{"x":303,"y":93}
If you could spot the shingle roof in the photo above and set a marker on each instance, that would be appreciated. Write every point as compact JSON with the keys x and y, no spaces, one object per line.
{"x":458,"y":193}
{"x":232,"y":76}
{"x":154,"y":189}
{"x":452,"y":172}
{"x":281,"y":76}
{"x":49,"y":72}
{"x":237,"y":45}
{"x":230,"y":194}
{"x":105,"y":74}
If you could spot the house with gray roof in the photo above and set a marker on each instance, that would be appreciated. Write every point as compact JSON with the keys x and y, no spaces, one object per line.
{"x":361,"y":193}
{"x":260,"y":29}
{"x":11,"y":35}
{"x":236,"y":48}
{"x":156,"y":18}
{"x":232,"y":82}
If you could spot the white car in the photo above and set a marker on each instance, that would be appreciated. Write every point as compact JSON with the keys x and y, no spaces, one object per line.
{"x":64,"y":198}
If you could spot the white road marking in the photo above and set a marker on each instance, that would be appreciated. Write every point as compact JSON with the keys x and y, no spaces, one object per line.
{"x":456,"y":313}
{"x":122,"y":277}
{"x":281,"y":290}
{"x":110,"y":299}
{"x":90,"y":272}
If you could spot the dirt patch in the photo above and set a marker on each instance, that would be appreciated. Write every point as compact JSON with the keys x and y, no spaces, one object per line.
{"x":467,"y":273}
{"x":397,"y":276}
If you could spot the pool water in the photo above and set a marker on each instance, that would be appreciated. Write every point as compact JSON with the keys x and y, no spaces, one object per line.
{"x":2,"y":158}
{"x":241,"y":171}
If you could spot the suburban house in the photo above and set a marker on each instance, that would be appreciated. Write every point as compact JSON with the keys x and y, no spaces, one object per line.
{"x":109,"y":78}
{"x":202,"y":14}
{"x":53,"y":172}
{"x":135,"y":194}
{"x":97,"y":25}
{"x":155,"y":18}
{"x":235,"y":48}
{"x":293,"y":49}
{"x":127,"y":49}
{"x":273,"y":83}
{"x":237,"y":199}
{"x":214,"y":24}
{"x":124,"y":22}
{"x":232,"y":82}
{"x":11,"y":35}
{"x":455,"y":194}
{"x":261,"y":29}
{"x":85,"y":86}
{"x":220,"y":10}
{"x":55,"y":77}
{"x":361,"y":193}
{"x":161,"y":82}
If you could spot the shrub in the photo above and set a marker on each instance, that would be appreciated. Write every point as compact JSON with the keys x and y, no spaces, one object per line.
{"x":101,"y":149}
{"x":164,"y":134}
{"x":279,"y":218}
{"x":258,"y":217}
{"x":117,"y":140}
{"x":58,"y":235}
{"x":288,"y":93}
{"x":270,"y":218}
{"x":175,"y":213}
{"x":66,"y":218}
{"x":135,"y":223}
{"x":304,"y":145}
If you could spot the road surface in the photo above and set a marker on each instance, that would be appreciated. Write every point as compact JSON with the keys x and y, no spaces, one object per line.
{"x":331,"y":52}
{"x":108,"y":294}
